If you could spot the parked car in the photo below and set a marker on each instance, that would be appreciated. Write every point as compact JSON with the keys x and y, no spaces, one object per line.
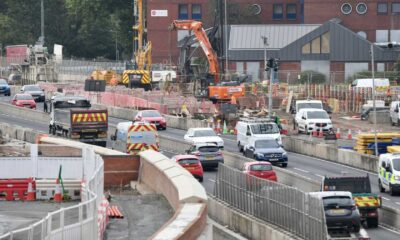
{"x":23,"y":100}
{"x":203,"y":135}
{"x":190,"y":163}
{"x":209,"y":154}
{"x":4,"y":87}
{"x":152,"y":116}
{"x":310,"y":119}
{"x":260,"y":169}
{"x":266,"y":150}
{"x":341,"y":213}
{"x":34,"y":90}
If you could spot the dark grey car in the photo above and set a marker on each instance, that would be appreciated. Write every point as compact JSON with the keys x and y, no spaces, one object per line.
{"x":341,"y":212}
{"x":34,"y":90}
{"x":209,"y":154}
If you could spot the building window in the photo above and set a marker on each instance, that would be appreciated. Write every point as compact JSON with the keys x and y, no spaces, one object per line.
{"x":382,"y":36}
{"x":361,"y":8}
{"x":382,"y":8}
{"x":291,"y":10}
{"x":183,"y":11}
{"x":196,"y":11}
{"x":278,"y":12}
{"x":318,"y":45}
{"x":396,"y":8}
{"x":395,"y":35}
{"x":346,"y":8}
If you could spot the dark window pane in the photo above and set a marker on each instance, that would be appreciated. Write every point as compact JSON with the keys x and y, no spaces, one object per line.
{"x":277,"y":11}
{"x":382,"y":7}
{"x":396,"y":8}
{"x":183,"y":11}
{"x":196,"y":11}
{"x":291,"y":11}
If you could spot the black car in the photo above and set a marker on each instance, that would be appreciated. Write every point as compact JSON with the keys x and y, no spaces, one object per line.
{"x":34,"y":90}
{"x":266,"y":150}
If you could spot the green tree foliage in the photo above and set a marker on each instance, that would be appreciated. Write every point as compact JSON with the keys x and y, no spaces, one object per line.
{"x":86,"y":28}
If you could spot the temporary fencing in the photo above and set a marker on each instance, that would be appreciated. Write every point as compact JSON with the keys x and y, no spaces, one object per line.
{"x":75,"y":222}
{"x":284,"y":206}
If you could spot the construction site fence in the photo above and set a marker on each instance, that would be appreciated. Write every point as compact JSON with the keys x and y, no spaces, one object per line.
{"x":75,"y":222}
{"x":287,"y":207}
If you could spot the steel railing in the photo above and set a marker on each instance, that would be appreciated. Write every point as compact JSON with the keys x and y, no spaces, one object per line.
{"x":74,"y":222}
{"x":287,"y":207}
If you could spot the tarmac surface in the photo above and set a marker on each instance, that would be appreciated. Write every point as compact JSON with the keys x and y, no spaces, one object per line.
{"x":143,"y":215}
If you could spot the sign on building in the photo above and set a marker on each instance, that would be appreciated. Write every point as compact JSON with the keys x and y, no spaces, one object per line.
{"x":159,"y":13}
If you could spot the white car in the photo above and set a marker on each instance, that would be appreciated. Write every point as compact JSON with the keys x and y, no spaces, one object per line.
{"x":203,"y":135}
{"x":311,"y":119}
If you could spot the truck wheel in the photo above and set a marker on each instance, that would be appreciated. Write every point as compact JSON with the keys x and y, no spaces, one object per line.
{"x":372,"y":222}
{"x":239,"y":147}
{"x":381,"y":188}
{"x":391,"y":192}
{"x":356,"y":228}
{"x":284,"y":165}
{"x":200,"y":179}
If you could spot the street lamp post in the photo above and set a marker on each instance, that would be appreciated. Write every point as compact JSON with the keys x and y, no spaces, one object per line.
{"x":383,"y":45}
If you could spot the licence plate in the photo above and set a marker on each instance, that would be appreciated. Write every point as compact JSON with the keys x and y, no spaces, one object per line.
{"x":209,"y":158}
{"x":190,"y":168}
{"x":274,"y":159}
{"x":338,"y":211}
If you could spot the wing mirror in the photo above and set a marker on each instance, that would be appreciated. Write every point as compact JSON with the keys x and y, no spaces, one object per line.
{"x":113,"y":137}
{"x":396,"y":110}
{"x":303,"y":118}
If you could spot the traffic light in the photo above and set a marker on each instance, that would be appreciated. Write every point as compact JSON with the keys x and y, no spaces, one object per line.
{"x":276,"y":64}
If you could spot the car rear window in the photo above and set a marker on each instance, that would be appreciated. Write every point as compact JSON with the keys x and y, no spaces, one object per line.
{"x":260,"y":167}
{"x":337,"y":201}
{"x":208,"y":149}
{"x":2,"y":81}
{"x":24,"y":97}
{"x":188,"y":161}
{"x":32,"y":88}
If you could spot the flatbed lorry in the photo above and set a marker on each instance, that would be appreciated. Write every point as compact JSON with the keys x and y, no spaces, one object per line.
{"x":72,"y":117}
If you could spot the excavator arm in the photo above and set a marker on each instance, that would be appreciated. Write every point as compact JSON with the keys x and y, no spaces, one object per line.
{"x":197,"y":28}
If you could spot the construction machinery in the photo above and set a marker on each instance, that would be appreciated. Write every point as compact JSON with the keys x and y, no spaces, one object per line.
{"x":217,"y":92}
{"x":137,"y":72}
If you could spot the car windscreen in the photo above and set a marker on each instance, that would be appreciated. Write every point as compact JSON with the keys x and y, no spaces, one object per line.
{"x":32,"y":88}
{"x":188,"y":161}
{"x":264,"y":128}
{"x":72,"y":104}
{"x":204,"y":133}
{"x":151,"y":114}
{"x":208,"y":149}
{"x":3,"y":82}
{"x":317,"y":115}
{"x":23,"y":97}
{"x":266,"y":144}
{"x":337,"y":201}
{"x":396,"y":164}
{"x":309,"y":105}
{"x":260,"y":167}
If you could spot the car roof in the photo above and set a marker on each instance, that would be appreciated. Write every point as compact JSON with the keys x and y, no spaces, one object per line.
{"x":22,"y":94}
{"x":185,"y":156}
{"x":256,"y":163}
{"x":32,"y":85}
{"x":205,"y":144}
{"x":199,"y":129}
{"x":67,"y":98}
{"x":331,"y":194}
{"x":312,"y":110}
{"x":149,"y":110}
{"x":308,"y":100}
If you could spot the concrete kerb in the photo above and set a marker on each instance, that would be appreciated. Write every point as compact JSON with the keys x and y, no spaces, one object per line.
{"x":250,"y":227}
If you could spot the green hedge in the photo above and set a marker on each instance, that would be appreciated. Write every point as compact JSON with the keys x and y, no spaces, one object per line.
{"x":314,"y":76}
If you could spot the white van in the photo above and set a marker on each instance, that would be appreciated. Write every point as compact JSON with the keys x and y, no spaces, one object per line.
{"x":389,"y":172}
{"x":300,"y":104}
{"x":367,"y":83}
{"x":394,"y":113}
{"x":249,"y":128}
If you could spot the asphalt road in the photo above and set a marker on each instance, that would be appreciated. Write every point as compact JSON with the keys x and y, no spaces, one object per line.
{"x":308,"y":166}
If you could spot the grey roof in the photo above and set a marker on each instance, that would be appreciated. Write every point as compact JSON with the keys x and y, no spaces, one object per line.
{"x":249,"y":36}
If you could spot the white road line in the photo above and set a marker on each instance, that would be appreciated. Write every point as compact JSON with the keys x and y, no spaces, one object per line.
{"x":319,"y":175}
{"x":211,"y":180}
{"x":301,"y":170}
{"x":387,"y":199}
{"x":390,"y":230}
{"x":342,"y":165}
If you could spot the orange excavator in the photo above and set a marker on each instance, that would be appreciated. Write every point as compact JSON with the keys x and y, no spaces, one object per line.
{"x":216,"y":93}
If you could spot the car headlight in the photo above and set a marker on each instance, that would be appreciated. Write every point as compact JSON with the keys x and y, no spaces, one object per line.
{"x":284,"y":154}
{"x":260,"y":155}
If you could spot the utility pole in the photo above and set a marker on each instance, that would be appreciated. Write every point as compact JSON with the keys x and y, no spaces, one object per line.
{"x":42,"y":21}
{"x":226,"y":38}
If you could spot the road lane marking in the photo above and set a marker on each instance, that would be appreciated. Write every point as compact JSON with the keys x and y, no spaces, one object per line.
{"x":319,"y":175}
{"x":211,"y":180}
{"x":387,"y":199}
{"x":301,"y":170}
{"x":390,"y":230}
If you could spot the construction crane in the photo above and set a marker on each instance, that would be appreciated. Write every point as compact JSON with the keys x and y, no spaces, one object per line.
{"x":137,"y":73}
{"x":218,"y":92}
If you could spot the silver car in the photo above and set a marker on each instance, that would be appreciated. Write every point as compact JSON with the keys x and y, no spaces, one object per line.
{"x":209,"y":154}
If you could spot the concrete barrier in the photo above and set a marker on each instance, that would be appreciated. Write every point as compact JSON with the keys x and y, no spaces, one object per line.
{"x":173,"y":145}
{"x":184,"y":123}
{"x":331,"y":153}
{"x":248,"y":226}
{"x":184,"y":193}
{"x":21,"y":112}
{"x":117,"y":112}
{"x":389,"y":217}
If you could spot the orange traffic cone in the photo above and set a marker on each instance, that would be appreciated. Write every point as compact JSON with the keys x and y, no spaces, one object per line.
{"x":320,"y":133}
{"x":349,"y":136}
{"x":338,"y":133}
{"x":57,"y":194}
{"x":31,"y":196}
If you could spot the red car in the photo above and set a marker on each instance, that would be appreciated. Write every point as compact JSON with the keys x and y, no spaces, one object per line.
{"x":260,"y":169}
{"x":23,"y":100}
{"x":152,"y":116}
{"x":190,"y":163}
